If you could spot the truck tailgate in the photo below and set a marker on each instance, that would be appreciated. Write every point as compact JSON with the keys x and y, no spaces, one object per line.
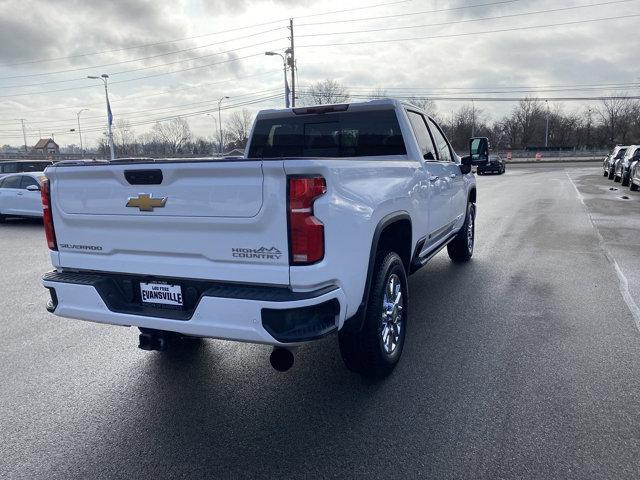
{"x":199,"y":219}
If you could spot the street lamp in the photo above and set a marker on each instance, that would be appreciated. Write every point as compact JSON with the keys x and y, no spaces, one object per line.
{"x":104,"y":78}
{"x":215,"y":126}
{"x":220,"y":122}
{"x":286,"y":86}
{"x":80,"y":131}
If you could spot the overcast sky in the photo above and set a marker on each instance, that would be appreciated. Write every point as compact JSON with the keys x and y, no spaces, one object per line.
{"x":51,"y":46}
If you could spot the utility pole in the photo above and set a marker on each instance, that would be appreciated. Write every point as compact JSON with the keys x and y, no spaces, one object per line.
{"x":292,"y":64}
{"x":546,"y":132}
{"x":24,"y":135}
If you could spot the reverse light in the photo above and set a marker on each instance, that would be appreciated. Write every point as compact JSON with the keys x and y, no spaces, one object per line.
{"x":47,"y":217}
{"x":306,"y":232}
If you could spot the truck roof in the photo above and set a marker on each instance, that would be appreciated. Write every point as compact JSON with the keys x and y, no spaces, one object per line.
{"x":350,"y":106}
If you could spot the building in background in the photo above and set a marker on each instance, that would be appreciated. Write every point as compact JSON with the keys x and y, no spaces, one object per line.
{"x":47,"y":146}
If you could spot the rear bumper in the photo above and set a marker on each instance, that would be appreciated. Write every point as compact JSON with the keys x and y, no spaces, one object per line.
{"x":268,"y":315}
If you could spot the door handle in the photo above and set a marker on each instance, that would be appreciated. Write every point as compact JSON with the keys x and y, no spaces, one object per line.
{"x":453,"y":175}
{"x":434,"y":178}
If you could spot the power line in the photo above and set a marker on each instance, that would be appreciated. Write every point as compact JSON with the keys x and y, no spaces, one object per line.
{"x":139,"y":59}
{"x":466,"y":34}
{"x":149,"y":67}
{"x":422,"y":12}
{"x":136,"y":97}
{"x":456,"y":22}
{"x":497,"y":99}
{"x":165,"y":42}
{"x":357,"y":8}
{"x":188,"y":114}
{"x":138,"y":112}
{"x":134,"y":79}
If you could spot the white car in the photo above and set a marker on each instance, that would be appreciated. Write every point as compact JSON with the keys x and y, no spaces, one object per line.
{"x":20,"y":195}
{"x":313,"y":232}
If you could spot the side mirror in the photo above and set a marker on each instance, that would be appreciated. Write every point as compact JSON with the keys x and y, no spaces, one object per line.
{"x":465,"y":165}
{"x":33,"y":188}
{"x":479,"y":150}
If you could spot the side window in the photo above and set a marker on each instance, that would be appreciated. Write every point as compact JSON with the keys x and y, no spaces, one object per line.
{"x":444,"y":152}
{"x":422,"y":135}
{"x":11,"y":167}
{"x":27,"y":180}
{"x":11,"y":182}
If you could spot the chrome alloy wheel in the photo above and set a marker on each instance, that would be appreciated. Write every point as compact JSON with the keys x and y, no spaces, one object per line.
{"x":392,"y":321}
{"x":470,"y":232}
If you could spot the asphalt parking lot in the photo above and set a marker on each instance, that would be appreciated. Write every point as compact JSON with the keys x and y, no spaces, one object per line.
{"x":524,"y":363}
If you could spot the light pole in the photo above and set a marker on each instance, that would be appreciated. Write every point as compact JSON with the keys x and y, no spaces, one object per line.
{"x":286,"y":86}
{"x":220,"y":122}
{"x":104,"y":78}
{"x":215,"y":127}
{"x":546,"y":132}
{"x":80,"y":131}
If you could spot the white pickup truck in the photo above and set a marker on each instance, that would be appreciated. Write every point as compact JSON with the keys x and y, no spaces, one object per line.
{"x":313,"y":232}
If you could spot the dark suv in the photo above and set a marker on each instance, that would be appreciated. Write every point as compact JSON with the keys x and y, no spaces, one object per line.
{"x":19,"y":166}
{"x":495,"y":165}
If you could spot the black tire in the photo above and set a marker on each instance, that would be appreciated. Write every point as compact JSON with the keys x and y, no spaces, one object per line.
{"x":605,"y":174}
{"x":611,"y":174}
{"x":616,"y":178}
{"x":2,"y":218}
{"x":633,"y":187}
{"x":624,"y":179}
{"x":364,"y":351}
{"x":461,"y":248}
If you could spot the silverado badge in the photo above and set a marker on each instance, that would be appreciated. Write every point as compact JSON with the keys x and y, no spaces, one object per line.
{"x":146,"y":203}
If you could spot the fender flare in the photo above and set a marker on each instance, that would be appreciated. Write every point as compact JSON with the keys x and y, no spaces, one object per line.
{"x":355,"y":322}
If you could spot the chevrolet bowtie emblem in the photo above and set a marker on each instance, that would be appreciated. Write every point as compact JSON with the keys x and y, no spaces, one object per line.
{"x":146,"y":203}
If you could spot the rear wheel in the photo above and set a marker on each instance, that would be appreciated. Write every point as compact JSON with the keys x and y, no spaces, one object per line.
{"x":461,"y":248}
{"x":624,"y":179}
{"x":611,"y":174}
{"x":633,"y":187}
{"x":2,"y":218}
{"x":375,"y":349}
{"x":604,"y":174}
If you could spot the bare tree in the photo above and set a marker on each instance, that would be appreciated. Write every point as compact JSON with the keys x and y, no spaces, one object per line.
{"x":423,"y":103}
{"x":327,"y":91}
{"x":174,"y":134}
{"x":239,"y":126}
{"x":612,"y":111}
{"x":124,"y":137}
{"x":377,"y":93}
{"x":527,"y":115}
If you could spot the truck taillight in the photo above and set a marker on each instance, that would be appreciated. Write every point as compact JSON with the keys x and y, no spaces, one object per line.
{"x":306,"y":232}
{"x":47,"y":215}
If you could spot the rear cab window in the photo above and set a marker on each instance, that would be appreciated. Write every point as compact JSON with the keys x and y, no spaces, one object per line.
{"x":335,"y":134}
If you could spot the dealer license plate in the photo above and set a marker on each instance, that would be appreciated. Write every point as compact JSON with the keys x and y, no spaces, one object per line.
{"x":162,"y":294}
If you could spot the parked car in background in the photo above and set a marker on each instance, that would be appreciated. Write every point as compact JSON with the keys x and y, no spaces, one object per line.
{"x":608,"y":164}
{"x":496,"y":164}
{"x":19,"y":166}
{"x":634,"y":176}
{"x":20,"y":195}
{"x":621,"y":167}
